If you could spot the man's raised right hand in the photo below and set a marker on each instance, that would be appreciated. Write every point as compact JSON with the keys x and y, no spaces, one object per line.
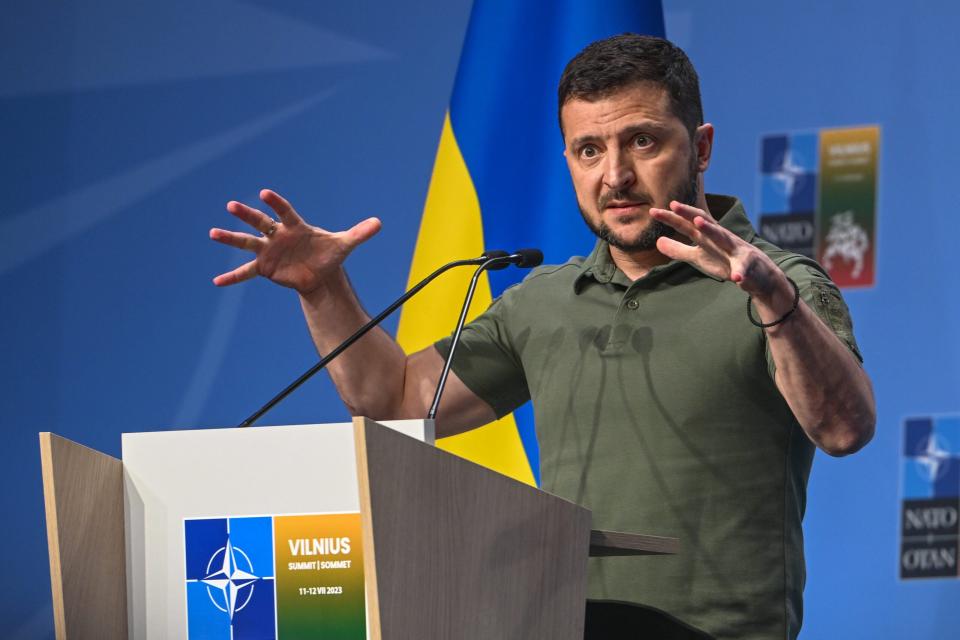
{"x":291,"y":253}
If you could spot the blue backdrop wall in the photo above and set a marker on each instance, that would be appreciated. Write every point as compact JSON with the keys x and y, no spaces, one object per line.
{"x":126,"y":127}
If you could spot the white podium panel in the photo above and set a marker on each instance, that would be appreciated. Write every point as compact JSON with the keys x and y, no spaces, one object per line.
{"x":171,"y":477}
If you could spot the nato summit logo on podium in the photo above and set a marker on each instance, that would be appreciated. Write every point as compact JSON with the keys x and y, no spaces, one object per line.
{"x":230,"y":581}
{"x":931,"y":498}
{"x":291,"y":576}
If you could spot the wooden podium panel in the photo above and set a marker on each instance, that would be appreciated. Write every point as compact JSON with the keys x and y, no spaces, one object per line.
{"x":83,"y":496}
{"x":459,"y":551}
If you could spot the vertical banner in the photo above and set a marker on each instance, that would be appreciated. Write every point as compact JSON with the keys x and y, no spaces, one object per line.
{"x":789,"y":166}
{"x":846,"y":216}
{"x":930,"y":512}
{"x":818,"y":197}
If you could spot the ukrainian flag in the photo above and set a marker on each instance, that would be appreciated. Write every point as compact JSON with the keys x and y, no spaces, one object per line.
{"x":500,"y":181}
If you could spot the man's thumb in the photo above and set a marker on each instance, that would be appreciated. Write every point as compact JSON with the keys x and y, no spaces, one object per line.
{"x":362,"y":231}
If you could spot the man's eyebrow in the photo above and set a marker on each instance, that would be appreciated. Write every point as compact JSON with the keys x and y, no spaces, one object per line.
{"x":646,"y":126}
{"x":576,"y":142}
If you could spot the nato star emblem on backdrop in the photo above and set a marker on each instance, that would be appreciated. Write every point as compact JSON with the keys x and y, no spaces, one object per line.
{"x":931,"y":497}
{"x":229,"y":578}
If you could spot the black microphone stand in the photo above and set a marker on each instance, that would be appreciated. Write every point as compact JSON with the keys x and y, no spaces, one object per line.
{"x":485,"y":259}
{"x":523,"y":258}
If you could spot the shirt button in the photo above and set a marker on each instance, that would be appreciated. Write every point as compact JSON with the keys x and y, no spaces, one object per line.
{"x":632,"y":304}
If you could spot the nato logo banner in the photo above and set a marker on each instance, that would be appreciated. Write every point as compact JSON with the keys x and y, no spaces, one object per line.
{"x":818,"y":193}
{"x":275,"y":577}
{"x":931,"y":497}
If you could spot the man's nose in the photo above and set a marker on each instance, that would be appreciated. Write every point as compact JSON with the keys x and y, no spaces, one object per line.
{"x":618,"y":173}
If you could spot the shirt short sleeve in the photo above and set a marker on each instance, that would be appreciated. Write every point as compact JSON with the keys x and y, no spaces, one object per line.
{"x":486,"y":361}
{"x":823,"y":297}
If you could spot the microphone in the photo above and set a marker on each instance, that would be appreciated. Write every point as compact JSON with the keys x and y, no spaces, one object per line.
{"x":500,"y":263}
{"x":492,"y":257}
{"x":524,"y":259}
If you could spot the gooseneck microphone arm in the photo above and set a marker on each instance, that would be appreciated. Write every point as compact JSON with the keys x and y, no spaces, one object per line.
{"x":523,"y":258}
{"x":486,"y":258}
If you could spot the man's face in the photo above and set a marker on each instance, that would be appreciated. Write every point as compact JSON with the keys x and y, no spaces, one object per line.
{"x":626,"y":153}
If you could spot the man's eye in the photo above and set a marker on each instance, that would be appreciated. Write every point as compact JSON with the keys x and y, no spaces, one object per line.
{"x":589,"y":152}
{"x":642,"y":141}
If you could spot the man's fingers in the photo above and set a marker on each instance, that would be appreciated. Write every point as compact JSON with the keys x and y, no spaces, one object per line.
{"x":676,"y":250}
{"x":241,"y":273}
{"x":253,"y":217}
{"x":689,"y":212}
{"x":235,"y":239}
{"x":679,"y":223}
{"x":361,"y":232}
{"x":285,"y":211}
{"x":722,"y":238}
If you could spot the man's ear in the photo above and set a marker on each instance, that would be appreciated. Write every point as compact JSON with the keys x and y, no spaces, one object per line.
{"x":703,"y":145}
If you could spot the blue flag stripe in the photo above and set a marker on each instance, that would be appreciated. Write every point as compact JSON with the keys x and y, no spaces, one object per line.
{"x":504,"y":116}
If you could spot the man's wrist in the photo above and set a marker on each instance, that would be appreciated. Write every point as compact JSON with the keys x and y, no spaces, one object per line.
{"x":334,"y":286}
{"x":777,"y":301}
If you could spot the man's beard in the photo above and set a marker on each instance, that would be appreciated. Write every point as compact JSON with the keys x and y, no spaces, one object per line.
{"x":686,"y":193}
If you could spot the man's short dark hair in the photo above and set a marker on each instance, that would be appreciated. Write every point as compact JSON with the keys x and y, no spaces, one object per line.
{"x":607,"y":66}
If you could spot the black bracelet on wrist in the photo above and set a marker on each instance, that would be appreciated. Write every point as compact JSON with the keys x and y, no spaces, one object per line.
{"x":796,"y":302}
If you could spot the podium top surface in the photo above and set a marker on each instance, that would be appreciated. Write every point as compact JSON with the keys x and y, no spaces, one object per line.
{"x":618,"y":543}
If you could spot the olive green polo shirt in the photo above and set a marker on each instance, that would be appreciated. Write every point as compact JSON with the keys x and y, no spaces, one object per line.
{"x":656,"y":408}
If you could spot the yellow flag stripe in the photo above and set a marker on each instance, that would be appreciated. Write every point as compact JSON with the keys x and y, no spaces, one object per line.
{"x":452,"y":228}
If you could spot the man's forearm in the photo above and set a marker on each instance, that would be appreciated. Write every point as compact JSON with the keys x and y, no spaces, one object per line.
{"x":369,"y":376}
{"x":374,"y":377}
{"x":825,"y":387}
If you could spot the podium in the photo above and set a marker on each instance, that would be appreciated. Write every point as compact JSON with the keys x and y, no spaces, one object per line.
{"x":349,"y":530}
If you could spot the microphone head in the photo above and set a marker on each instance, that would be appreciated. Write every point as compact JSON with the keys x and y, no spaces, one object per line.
{"x":528,"y":258}
{"x":496,"y":254}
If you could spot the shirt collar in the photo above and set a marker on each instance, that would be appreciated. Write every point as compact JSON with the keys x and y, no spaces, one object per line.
{"x":599,"y":266}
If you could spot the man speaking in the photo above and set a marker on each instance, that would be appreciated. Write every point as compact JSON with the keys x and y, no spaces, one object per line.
{"x":681,"y":374}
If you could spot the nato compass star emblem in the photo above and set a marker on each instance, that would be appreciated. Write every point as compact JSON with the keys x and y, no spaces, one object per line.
{"x":933,"y":456}
{"x":230,"y":579}
{"x":789,"y":173}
